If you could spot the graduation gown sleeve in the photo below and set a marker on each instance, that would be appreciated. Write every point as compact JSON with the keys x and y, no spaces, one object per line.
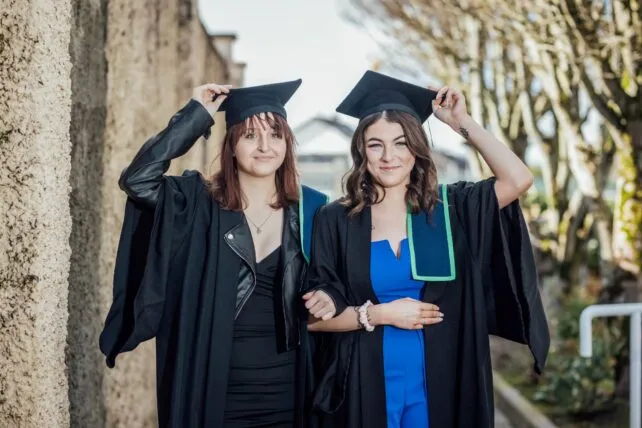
{"x":157,"y":215}
{"x":499,"y":242}
{"x":324,"y":262}
{"x":333,"y":351}
{"x":148,"y":243}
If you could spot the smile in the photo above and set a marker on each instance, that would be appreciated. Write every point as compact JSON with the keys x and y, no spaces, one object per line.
{"x":388,"y":168}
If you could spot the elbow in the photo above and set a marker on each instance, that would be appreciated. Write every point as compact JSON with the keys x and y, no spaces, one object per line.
{"x":524,"y":183}
{"x":509,"y":190}
{"x":139,"y":190}
{"x":127,"y":184}
{"x":123,"y":181}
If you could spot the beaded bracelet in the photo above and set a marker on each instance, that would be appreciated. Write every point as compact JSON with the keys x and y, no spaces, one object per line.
{"x":364,"y":321}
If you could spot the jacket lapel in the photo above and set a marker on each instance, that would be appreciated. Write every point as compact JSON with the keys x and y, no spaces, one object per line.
{"x":290,"y":244}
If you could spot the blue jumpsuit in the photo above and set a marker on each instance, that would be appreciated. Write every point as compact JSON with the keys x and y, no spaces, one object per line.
{"x":403,"y":350}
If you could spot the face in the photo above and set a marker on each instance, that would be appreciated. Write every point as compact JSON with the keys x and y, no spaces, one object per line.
{"x":261,"y":150}
{"x":389,"y":160}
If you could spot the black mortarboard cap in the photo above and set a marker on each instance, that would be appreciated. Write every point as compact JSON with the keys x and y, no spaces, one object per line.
{"x":242,"y":103}
{"x":376,"y":92}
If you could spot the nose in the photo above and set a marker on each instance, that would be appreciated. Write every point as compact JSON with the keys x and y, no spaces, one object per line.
{"x":264,"y":144}
{"x":386,"y":156}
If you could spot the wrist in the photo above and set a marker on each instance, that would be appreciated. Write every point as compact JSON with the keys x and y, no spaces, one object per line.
{"x":378,"y":314}
{"x":463,"y":126}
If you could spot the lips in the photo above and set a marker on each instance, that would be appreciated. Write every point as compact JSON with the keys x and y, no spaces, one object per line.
{"x":388,"y":168}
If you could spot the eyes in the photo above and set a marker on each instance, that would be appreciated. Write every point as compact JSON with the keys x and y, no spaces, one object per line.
{"x":251,"y":135}
{"x":375,"y":145}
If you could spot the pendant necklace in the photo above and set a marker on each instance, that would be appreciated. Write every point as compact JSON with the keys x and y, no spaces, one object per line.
{"x":258,"y":228}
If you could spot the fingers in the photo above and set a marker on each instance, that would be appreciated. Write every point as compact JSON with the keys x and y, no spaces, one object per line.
{"x":325,"y":313}
{"x":323,"y":310}
{"x":311,"y":299}
{"x":428,"y":307}
{"x":218,"y":89}
{"x":429,"y":321}
{"x":319,"y":305}
{"x":214,"y":93}
{"x":430,"y":313}
{"x":425,"y":320}
{"x":441,"y":96}
{"x":446,"y":97}
{"x":218,"y":100}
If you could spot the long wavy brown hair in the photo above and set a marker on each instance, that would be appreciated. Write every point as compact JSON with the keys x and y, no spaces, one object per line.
{"x":359,"y":186}
{"x":224,"y":185}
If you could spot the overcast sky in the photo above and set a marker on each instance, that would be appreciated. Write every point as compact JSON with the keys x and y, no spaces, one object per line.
{"x":287,"y":39}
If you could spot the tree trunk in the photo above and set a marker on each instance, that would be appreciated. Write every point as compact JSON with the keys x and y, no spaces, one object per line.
{"x":627,"y":221}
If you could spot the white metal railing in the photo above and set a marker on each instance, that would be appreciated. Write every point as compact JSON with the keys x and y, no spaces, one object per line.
{"x":634,"y":310}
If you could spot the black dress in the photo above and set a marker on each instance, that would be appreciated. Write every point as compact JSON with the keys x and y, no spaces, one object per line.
{"x":260,"y":391}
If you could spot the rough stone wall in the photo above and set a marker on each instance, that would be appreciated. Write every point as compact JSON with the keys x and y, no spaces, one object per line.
{"x":35,"y":112}
{"x":83,"y":83}
{"x":86,"y":286}
{"x":141,"y":96}
{"x":140,"y":61}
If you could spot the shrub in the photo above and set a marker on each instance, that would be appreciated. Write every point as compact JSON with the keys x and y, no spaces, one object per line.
{"x":576,"y":385}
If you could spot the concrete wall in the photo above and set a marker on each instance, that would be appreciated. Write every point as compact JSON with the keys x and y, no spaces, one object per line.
{"x":35,"y":111}
{"x":83,"y":83}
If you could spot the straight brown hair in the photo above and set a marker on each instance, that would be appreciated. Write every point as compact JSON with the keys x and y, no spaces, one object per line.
{"x":224,"y":185}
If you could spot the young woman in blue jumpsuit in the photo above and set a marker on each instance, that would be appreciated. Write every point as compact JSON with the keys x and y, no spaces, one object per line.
{"x":418,"y":265}
{"x":403,"y":350}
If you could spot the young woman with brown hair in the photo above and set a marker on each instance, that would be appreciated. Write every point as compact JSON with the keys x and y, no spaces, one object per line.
{"x":212,"y":268}
{"x":426,"y":270}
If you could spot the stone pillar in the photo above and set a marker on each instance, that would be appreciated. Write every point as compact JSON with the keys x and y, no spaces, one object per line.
{"x":88,"y":290}
{"x":35,"y":110}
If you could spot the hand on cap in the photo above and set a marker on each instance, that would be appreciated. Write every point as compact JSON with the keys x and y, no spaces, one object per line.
{"x":211,"y":96}
{"x":449,"y":106}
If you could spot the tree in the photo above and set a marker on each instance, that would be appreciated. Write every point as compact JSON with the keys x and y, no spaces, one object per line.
{"x":601,"y":43}
{"x":510,"y":86}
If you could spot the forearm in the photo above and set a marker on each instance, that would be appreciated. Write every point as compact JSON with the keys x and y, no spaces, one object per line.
{"x":348,"y":320}
{"x":141,"y":180}
{"x":513,"y":176}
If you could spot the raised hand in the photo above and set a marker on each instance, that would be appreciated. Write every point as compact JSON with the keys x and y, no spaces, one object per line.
{"x":211,"y":95}
{"x":449,"y":106}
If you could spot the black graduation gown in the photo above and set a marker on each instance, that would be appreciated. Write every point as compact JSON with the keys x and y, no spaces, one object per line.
{"x":495,"y":291}
{"x":176,"y":280}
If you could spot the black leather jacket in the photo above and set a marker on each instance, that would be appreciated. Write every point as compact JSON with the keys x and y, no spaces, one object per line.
{"x":142,"y":181}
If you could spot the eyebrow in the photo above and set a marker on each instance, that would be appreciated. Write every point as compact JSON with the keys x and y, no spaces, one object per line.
{"x":379,"y":140}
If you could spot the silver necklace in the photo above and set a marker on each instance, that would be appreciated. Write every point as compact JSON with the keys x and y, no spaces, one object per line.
{"x":258,"y":228}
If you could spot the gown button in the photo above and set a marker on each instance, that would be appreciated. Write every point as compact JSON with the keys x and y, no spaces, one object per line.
{"x":230,"y":236}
